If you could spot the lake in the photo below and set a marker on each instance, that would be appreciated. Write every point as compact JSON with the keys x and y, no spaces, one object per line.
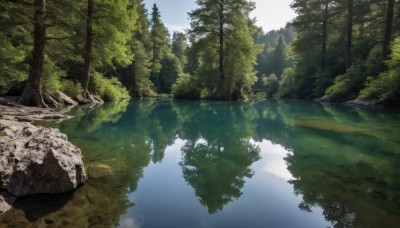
{"x":172,"y":163}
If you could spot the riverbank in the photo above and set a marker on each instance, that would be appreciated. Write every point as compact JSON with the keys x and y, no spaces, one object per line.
{"x":34,"y":159}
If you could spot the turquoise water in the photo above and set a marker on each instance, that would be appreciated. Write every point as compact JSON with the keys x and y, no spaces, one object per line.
{"x":165,"y":163}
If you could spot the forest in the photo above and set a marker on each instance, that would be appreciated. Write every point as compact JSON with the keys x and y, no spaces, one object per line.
{"x":335,"y":50}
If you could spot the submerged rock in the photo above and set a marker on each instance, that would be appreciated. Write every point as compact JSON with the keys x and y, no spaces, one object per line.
{"x":333,"y":126}
{"x":38,"y":160}
{"x":98,"y":170}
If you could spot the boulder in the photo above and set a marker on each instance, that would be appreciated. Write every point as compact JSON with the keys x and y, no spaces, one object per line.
{"x":38,"y":160}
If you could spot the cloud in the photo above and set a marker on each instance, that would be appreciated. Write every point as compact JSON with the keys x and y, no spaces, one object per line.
{"x":272,"y":14}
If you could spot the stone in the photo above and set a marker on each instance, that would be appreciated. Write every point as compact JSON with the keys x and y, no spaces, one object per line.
{"x":37,"y":160}
{"x":98,"y":170}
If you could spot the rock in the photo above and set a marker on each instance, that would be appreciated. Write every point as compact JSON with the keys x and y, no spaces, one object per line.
{"x":363,"y":103}
{"x":98,"y":170}
{"x":6,"y":202}
{"x":66,"y":100}
{"x":38,"y":160}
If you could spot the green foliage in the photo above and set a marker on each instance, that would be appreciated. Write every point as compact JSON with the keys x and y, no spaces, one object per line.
{"x":288,"y":84}
{"x":271,"y":85}
{"x":386,"y":86}
{"x":186,"y":87}
{"x":169,"y":72}
{"x":109,"y":89}
{"x":237,"y":51}
{"x":348,"y":85}
{"x":52,"y":76}
{"x":13,"y":69}
{"x":72,"y":89}
{"x":331,"y":60}
{"x":113,"y":31}
{"x":179,"y":47}
{"x":160,"y":48}
{"x":138,"y":73}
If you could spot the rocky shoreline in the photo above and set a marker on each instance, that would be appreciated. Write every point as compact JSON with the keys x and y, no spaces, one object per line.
{"x":35,"y":159}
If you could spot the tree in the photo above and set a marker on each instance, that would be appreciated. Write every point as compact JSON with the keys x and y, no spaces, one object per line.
{"x":32,"y":95}
{"x":278,"y":58}
{"x":225,"y":46}
{"x":179,"y":47}
{"x":109,"y":25}
{"x":388,"y":29}
{"x":139,"y":71}
{"x":88,"y":47}
{"x":349,"y":33}
{"x":14,"y":46}
{"x":160,"y":45}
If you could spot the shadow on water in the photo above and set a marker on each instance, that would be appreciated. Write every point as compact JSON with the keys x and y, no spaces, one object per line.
{"x":344,"y":160}
{"x":38,"y":206}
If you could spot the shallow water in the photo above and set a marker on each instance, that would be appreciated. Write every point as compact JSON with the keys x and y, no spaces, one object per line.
{"x":164,"y":163}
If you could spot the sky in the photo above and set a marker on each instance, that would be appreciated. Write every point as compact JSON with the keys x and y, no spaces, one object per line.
{"x":270,"y":14}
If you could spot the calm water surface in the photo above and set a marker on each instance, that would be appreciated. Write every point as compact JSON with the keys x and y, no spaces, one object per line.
{"x":164,"y":163}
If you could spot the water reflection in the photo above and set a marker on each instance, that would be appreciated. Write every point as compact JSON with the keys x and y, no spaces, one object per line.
{"x":216,"y":170}
{"x":343,"y":160}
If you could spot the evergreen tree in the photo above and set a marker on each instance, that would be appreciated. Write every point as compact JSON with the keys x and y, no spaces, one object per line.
{"x":225,"y":47}
{"x":108,"y":27}
{"x":279,"y":60}
{"x":179,"y":46}
{"x":138,"y":81}
{"x":160,"y":45}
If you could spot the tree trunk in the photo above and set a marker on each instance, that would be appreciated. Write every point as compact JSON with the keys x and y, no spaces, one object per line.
{"x":388,"y":29}
{"x":349,"y":33}
{"x":324,"y":34}
{"x":88,"y":47}
{"x":32,"y":95}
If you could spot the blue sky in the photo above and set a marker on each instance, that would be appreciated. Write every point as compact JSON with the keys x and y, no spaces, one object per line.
{"x":270,"y":14}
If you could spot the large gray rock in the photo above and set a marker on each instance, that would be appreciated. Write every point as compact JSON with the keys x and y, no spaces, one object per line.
{"x":38,"y":160}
